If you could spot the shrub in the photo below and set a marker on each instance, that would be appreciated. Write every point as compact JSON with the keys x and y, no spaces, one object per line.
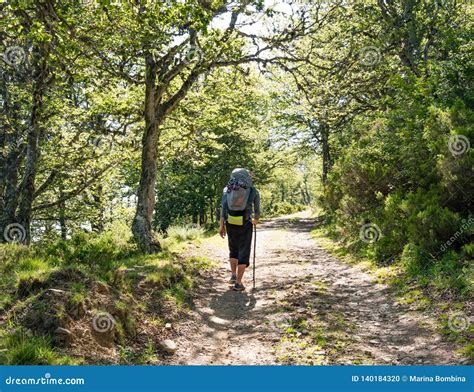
{"x":401,"y":174}
{"x":93,"y":248}
{"x":285,"y":208}
{"x":11,"y":254}
{"x":181,"y":233}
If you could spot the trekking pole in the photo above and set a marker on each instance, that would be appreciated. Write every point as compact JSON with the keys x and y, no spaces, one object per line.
{"x":254,"y":252}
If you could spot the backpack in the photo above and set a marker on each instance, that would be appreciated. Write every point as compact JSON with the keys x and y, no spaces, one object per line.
{"x":238,"y":192}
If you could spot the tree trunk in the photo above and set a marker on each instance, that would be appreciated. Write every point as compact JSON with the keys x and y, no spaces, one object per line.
{"x":10,"y":199}
{"x":9,"y":165}
{"x":3,"y":137}
{"x":211,"y":210}
{"x":308,"y":197}
{"x":217,"y":209}
{"x":326,"y":152}
{"x":141,"y":226}
{"x":98,"y":223}
{"x":303,"y":196}
{"x":62,"y":216}
{"x":32,"y":150}
{"x":155,"y":114}
{"x":27,"y":188}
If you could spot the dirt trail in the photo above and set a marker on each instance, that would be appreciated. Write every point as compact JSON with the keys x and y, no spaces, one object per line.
{"x":308,"y":307}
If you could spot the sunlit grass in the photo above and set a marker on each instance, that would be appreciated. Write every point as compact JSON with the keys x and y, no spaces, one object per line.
{"x":24,"y":349}
{"x":182,"y":233}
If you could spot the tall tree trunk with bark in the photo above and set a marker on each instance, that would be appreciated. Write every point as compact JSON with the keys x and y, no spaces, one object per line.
{"x":326,"y":152}
{"x":27,"y":186}
{"x":141,"y":226}
{"x":9,"y":162}
{"x":98,"y":222}
{"x":202,"y":216}
{"x":10,"y":196}
{"x":62,"y":215}
{"x":158,"y":77}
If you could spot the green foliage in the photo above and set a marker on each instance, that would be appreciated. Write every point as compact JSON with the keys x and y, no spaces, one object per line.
{"x":81,"y":263}
{"x":404,"y":174}
{"x":204,"y":141}
{"x":165,"y":276}
{"x":94,"y":249}
{"x":468,"y":350}
{"x":285,"y":208}
{"x":24,"y":349}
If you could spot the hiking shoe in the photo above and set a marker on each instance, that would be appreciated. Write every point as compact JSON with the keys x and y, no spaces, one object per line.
{"x":238,"y":287}
{"x":233,"y":279}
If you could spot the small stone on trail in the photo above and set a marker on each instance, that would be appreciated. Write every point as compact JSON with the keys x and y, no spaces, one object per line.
{"x":169,"y":346}
{"x":62,"y":336}
{"x":218,"y":320}
{"x":62,"y":331}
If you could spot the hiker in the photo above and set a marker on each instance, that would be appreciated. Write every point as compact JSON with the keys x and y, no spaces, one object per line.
{"x":239,"y":201}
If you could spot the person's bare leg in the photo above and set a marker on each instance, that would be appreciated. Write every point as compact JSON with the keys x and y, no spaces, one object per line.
{"x":240,"y":273}
{"x":233,"y":266}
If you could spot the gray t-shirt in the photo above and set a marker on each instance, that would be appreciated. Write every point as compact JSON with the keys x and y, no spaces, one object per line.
{"x":253,"y":204}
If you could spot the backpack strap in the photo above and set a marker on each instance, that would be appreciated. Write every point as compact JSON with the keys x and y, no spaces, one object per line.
{"x":249,"y":208}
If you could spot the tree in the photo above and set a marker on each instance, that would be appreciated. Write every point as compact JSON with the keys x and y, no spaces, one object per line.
{"x":167,"y":61}
{"x":49,"y":149}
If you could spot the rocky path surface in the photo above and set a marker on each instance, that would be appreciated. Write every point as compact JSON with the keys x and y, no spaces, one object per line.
{"x":308,"y":308}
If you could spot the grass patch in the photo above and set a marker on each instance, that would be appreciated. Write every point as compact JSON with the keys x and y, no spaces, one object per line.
{"x":79,"y":292}
{"x":468,"y":350}
{"x":182,"y":233}
{"x":24,"y":349}
{"x":321,"y":287}
{"x":314,"y":340}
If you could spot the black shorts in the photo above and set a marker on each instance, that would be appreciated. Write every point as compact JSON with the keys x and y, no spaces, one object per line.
{"x":240,"y":241}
